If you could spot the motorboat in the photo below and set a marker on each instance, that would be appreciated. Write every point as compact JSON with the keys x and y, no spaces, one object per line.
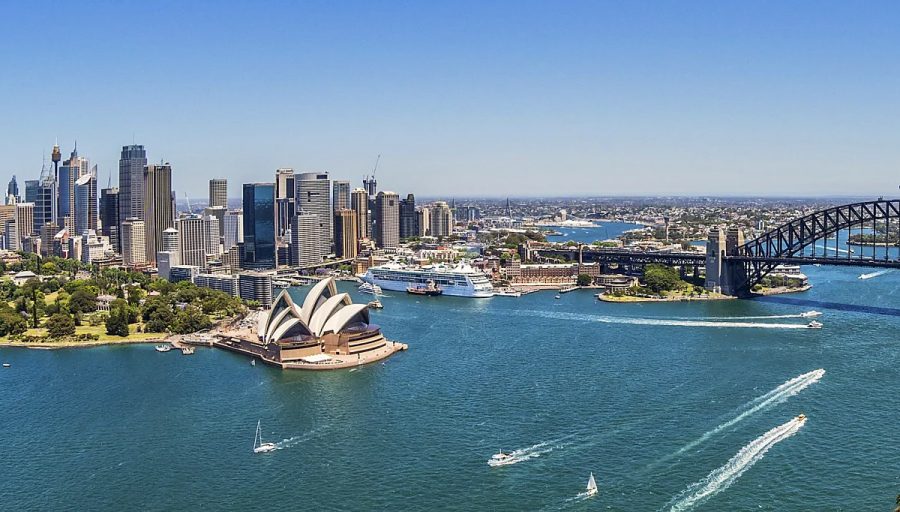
{"x":507,"y":293}
{"x":253,"y":362}
{"x":258,"y":445}
{"x":810,"y":314}
{"x":429,"y":289}
{"x":501,"y":459}
{"x":591,"y":486}
{"x":370,"y":288}
{"x":814,"y":325}
{"x":558,"y":296}
{"x":187,"y":350}
{"x":801,"y":418}
{"x":375,"y":304}
{"x":6,"y":365}
{"x":163,"y":348}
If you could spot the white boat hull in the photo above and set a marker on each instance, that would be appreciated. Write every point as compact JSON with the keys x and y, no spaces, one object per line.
{"x":453,"y":290}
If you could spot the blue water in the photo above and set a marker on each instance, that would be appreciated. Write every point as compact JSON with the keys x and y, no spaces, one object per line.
{"x":603,"y":231}
{"x":613,"y":389}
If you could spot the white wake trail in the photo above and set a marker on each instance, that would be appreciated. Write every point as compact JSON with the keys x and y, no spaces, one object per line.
{"x":295,"y":440}
{"x":720,"y":479}
{"x":657,"y":321}
{"x":772,"y":398}
{"x":874,"y":274}
{"x":536,"y":450}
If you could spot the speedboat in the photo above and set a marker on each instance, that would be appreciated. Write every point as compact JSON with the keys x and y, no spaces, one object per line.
{"x":258,"y":445}
{"x":558,"y":296}
{"x":374,"y":289}
{"x":810,"y":314}
{"x":163,"y":348}
{"x":501,"y":459}
{"x":801,"y":418}
{"x":375,"y":304}
{"x":814,"y":325}
{"x":6,"y":365}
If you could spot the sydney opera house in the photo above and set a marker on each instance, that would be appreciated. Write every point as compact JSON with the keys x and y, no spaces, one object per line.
{"x":327,"y":330}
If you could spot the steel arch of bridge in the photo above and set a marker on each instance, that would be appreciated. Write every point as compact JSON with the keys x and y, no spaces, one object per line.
{"x":787,"y":243}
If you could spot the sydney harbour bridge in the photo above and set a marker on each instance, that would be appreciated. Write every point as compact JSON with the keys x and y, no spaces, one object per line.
{"x":734,"y":265}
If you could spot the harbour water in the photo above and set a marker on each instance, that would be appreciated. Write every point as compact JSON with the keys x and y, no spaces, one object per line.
{"x":602,"y":231}
{"x":668,"y":412}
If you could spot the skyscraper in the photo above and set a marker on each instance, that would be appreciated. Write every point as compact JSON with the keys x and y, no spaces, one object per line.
{"x":211,"y":229}
{"x":109,"y":216}
{"x":233,"y":232}
{"x":31,"y":190}
{"x":285,"y":197}
{"x":132,"y":161}
{"x":314,"y":196}
{"x":340,"y":197}
{"x":171,"y":243}
{"x":345,"y":230}
{"x":86,"y":203}
{"x":12,"y":191}
{"x":387,"y":219}
{"x":259,"y":225}
{"x":424,"y":221}
{"x":157,"y":203}
{"x":25,"y":219}
{"x":359,"y":203}
{"x":134,"y":250}
{"x":306,"y":243}
{"x":218,"y":192}
{"x":67,"y":175}
{"x":44,"y":206}
{"x":408,"y":218}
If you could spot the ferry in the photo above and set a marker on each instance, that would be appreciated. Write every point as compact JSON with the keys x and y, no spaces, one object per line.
{"x":163,"y":348}
{"x":461,"y":280}
{"x":373,"y":289}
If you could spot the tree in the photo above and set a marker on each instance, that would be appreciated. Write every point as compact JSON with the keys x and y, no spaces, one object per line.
{"x":82,"y":301}
{"x":117,"y":323}
{"x":584,"y":280}
{"x":190,"y":319}
{"x":60,"y":325}
{"x":661,"y":278}
{"x":157,"y":314}
{"x":11,"y":322}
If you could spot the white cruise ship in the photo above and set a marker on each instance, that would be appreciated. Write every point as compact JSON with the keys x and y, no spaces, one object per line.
{"x":461,"y":280}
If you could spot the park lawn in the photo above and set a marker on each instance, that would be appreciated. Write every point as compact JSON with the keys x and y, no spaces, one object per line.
{"x":99,"y":330}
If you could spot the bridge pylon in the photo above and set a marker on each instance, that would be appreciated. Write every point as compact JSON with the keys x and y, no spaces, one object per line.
{"x":724,"y":275}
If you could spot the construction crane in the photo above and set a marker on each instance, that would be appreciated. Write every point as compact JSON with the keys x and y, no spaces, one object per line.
{"x":188,"y":200}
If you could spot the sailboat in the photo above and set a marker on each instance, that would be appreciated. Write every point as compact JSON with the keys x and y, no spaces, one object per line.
{"x":258,"y":445}
{"x":592,"y":485}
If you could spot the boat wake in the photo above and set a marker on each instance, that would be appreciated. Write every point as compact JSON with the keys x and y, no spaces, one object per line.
{"x":659,"y":321}
{"x":842,"y":251}
{"x":807,"y":314}
{"x":720,"y":479}
{"x":295,"y":440}
{"x":536,"y":450}
{"x":770,"y":399}
{"x":874,"y":274}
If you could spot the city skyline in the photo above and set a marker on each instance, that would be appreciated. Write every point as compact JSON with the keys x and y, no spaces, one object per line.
{"x":466,"y":98}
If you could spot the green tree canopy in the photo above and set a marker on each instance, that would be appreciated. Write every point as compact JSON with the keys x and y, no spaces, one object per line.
{"x":60,"y":325}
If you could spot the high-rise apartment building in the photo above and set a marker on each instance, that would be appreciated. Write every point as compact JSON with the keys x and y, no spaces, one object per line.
{"x":25,"y":219}
{"x":306,"y":241}
{"x":314,"y":196}
{"x":132,"y":161}
{"x":441,"y":219}
{"x":259,"y":225}
{"x":158,"y":212}
{"x":359,"y":203}
{"x":192,"y":240}
{"x":218,"y":192}
{"x":134,"y":249}
{"x":387,"y":219}
{"x":211,"y":229}
{"x":171,"y":243}
{"x":345,"y":230}
{"x":423,"y":216}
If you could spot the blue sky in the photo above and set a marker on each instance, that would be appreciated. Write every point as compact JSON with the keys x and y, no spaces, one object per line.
{"x":466,"y":98}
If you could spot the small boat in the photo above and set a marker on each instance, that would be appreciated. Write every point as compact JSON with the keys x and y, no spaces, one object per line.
{"x":258,"y":445}
{"x":801,"y":418}
{"x":501,"y":459}
{"x":814,"y":325}
{"x":429,"y":289}
{"x":6,"y":365}
{"x":375,"y":304}
{"x":507,"y":293}
{"x":253,"y":362}
{"x":810,"y":314}
{"x":591,"y":485}
{"x":187,"y":350}
{"x":163,"y":348}
{"x":558,"y":296}
{"x":370,"y":288}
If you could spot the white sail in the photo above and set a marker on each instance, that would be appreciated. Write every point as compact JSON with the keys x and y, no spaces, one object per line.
{"x":591,"y":485}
